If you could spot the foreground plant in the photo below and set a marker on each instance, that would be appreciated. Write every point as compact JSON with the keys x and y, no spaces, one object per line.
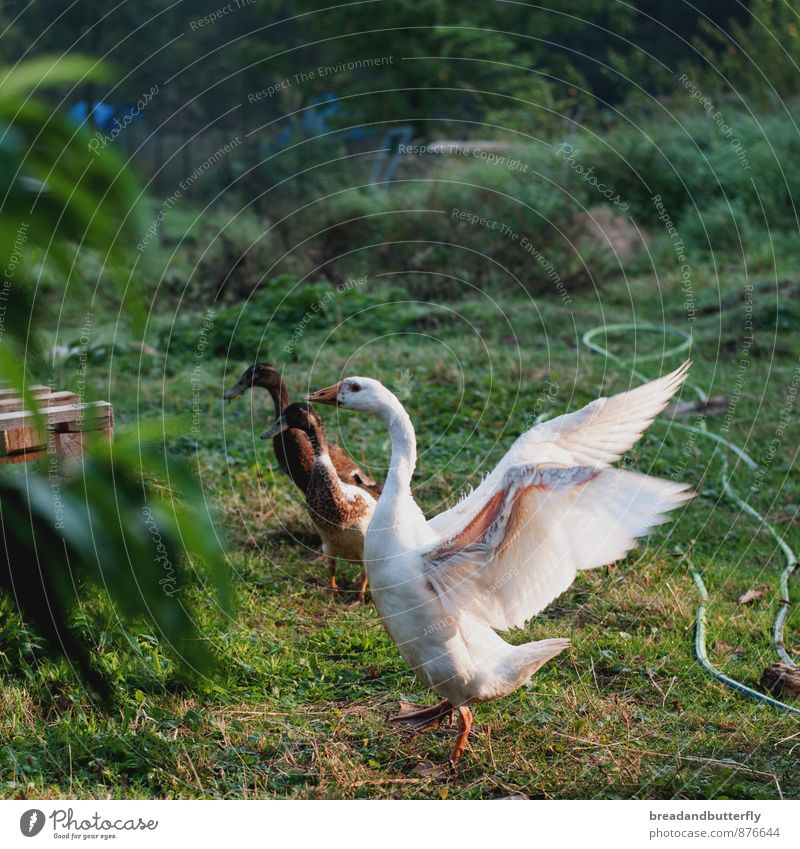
{"x":104,"y":522}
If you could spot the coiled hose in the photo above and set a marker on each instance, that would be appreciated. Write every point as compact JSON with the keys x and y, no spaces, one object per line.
{"x":684,"y":345}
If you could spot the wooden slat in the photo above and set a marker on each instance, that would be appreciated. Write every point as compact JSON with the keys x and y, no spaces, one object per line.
{"x":20,"y":433}
{"x":67,"y":420}
{"x":23,"y":456}
{"x":70,"y":445}
{"x":55,"y":415}
{"x":37,"y":390}
{"x":21,"y":439}
{"x":54,"y":399}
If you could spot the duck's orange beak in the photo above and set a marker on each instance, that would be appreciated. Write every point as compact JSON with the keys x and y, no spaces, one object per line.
{"x":329,"y":395}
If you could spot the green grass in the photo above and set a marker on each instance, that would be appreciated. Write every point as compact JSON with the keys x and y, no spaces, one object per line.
{"x":305,"y":683}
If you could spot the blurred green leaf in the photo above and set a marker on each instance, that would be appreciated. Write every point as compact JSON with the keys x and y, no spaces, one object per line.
{"x":127,"y":520}
{"x":26,"y":78}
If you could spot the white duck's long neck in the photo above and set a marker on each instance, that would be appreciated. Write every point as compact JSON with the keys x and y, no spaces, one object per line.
{"x":397,"y":512}
{"x":404,"y":447}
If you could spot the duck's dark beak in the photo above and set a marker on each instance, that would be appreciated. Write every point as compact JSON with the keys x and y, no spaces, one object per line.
{"x":234,"y":392}
{"x":329,"y":395}
{"x":275,"y":428}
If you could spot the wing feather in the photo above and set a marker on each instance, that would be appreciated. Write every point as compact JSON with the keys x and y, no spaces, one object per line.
{"x":543,"y":523}
{"x":596,"y":435}
{"x":602,"y":431}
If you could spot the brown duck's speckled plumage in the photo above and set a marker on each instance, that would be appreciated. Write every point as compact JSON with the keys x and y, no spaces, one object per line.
{"x":341,"y":512}
{"x":292,"y":447}
{"x":328,"y":505}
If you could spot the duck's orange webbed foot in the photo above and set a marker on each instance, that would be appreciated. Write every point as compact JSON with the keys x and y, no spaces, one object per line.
{"x":464,"y":725}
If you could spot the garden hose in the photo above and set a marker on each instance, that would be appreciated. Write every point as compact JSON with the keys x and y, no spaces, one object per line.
{"x":791,"y":565}
{"x":700,"y":651}
{"x":730,"y":492}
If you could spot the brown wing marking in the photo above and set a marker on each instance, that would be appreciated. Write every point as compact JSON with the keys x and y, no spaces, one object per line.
{"x":519,"y":512}
{"x":491,"y":512}
{"x":472,"y":532}
{"x":516,"y":518}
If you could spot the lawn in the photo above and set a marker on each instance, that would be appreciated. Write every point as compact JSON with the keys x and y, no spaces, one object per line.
{"x":305,"y":683}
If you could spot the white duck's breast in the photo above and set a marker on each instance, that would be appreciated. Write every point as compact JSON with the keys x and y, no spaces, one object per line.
{"x":428,"y":639}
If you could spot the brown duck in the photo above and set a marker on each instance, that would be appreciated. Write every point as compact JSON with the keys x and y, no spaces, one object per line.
{"x":340,"y":511}
{"x":292,"y":447}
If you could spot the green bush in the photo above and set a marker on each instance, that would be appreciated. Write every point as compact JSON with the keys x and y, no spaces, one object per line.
{"x":524,"y":222}
{"x":416,"y":229}
{"x":693,"y":165}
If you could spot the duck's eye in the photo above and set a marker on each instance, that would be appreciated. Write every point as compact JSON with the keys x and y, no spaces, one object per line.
{"x":354,"y":387}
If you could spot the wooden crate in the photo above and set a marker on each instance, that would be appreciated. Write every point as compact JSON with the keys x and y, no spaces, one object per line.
{"x":68,"y":422}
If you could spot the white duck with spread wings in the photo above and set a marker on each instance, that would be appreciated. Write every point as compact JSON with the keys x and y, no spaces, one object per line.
{"x":554,"y":505}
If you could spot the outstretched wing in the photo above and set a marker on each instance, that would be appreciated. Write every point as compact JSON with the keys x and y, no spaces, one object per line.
{"x":596,"y":435}
{"x":531,"y":535}
{"x":602,"y":431}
